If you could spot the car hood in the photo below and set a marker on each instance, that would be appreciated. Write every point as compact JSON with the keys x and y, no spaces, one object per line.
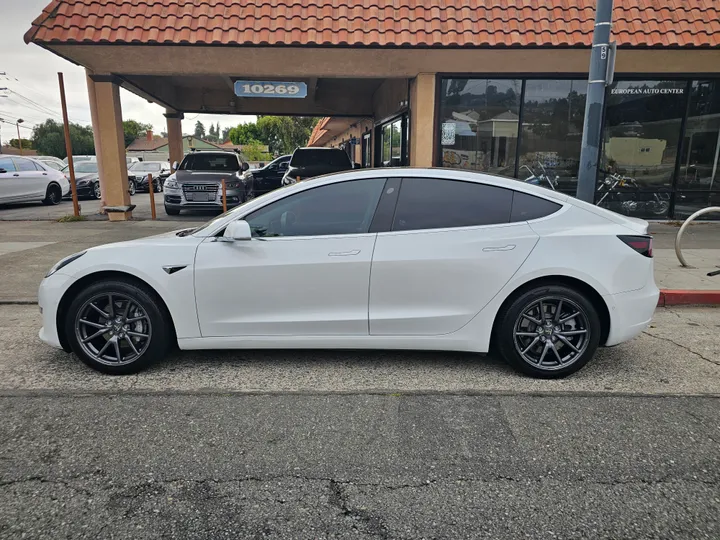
{"x":316,"y":170}
{"x":85,"y":176}
{"x":183,"y":177}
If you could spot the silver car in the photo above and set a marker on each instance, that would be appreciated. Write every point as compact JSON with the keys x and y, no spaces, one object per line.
{"x":197,"y":182}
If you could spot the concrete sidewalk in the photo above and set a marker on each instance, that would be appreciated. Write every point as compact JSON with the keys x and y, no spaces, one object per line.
{"x":29,"y":248}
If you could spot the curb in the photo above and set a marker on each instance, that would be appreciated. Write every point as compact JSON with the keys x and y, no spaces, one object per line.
{"x":679,"y":297}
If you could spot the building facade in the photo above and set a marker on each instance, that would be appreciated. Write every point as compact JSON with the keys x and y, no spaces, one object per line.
{"x":496,"y":87}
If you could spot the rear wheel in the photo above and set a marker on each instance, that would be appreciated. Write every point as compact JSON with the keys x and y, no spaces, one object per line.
{"x":172,"y":211}
{"x":549,"y":332}
{"x":117,"y":327}
{"x":53,"y":195}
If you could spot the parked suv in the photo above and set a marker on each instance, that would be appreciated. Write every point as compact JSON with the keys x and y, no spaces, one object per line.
{"x":308,"y":162}
{"x":270,"y":176}
{"x":196,"y":184}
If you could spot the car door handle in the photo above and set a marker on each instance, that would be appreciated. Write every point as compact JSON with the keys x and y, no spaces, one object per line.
{"x":16,"y":174}
{"x":509,"y":247}
{"x":343,"y":253}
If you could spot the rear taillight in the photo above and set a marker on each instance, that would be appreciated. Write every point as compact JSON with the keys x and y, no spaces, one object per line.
{"x":641,"y":244}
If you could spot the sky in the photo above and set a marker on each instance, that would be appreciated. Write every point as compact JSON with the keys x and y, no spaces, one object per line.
{"x":32,"y":83}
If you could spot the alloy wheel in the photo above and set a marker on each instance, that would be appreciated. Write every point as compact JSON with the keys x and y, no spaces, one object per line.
{"x":551,"y":333}
{"x":96,"y":190}
{"x":113,"y":329}
{"x":131,"y":187}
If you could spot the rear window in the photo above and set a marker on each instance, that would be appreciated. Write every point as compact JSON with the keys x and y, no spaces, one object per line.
{"x":304,"y":158}
{"x":526,"y":207}
{"x":210,"y":163}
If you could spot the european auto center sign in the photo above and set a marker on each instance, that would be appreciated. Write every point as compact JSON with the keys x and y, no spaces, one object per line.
{"x":647,"y":91}
{"x":270,"y":89}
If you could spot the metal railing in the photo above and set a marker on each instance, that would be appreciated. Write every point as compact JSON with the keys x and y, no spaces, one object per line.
{"x":678,"y":238}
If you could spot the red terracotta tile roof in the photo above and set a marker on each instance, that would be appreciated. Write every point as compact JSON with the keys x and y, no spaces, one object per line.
{"x":318,"y":131}
{"x":384,"y":23}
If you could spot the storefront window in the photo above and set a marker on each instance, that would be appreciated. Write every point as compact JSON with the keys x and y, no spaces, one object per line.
{"x":552,"y":123}
{"x":479,"y":120}
{"x":640,"y":144}
{"x":366,"y":150}
{"x":699,"y":160}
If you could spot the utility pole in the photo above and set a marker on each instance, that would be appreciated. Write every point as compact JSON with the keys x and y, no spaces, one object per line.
{"x":602,"y":65}
{"x":19,"y":121}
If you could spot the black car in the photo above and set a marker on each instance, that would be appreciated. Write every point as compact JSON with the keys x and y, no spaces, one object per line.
{"x":270,"y":176}
{"x":87,"y":179}
{"x":308,"y":162}
{"x":138,"y":173}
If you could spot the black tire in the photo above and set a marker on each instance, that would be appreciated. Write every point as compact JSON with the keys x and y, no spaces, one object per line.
{"x":172,"y":211}
{"x":95,"y":192}
{"x":512,"y":317}
{"x":53,"y":195}
{"x":158,"y":329}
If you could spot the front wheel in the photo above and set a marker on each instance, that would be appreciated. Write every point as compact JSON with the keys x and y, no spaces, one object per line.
{"x":96,"y":190}
{"x":548,"y":332}
{"x":117,"y":327}
{"x":132,"y":188}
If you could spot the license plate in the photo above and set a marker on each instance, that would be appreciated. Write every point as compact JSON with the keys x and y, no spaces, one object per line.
{"x":198,"y":197}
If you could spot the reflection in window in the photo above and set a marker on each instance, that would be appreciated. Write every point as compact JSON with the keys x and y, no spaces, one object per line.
{"x":553,"y":115}
{"x":392,"y":145}
{"x":700,"y":155}
{"x":479,"y":120}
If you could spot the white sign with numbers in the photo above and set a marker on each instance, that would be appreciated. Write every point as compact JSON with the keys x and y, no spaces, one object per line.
{"x":270,"y":89}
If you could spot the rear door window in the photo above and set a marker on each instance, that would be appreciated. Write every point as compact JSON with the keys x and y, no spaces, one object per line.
{"x":526,"y":207}
{"x":24,"y":165}
{"x":304,"y":158}
{"x":429,"y":203}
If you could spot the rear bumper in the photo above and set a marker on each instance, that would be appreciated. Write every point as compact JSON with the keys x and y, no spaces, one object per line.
{"x":631,"y":312}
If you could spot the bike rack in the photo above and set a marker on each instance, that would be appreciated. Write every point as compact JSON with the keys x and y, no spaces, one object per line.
{"x":687,"y":222}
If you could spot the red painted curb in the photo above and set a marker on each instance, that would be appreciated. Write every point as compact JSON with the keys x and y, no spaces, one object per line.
{"x":671,"y":297}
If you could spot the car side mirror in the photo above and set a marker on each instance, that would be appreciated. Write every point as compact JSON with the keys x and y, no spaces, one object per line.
{"x":238,"y":230}
{"x":245,"y":166}
{"x":357,"y":166}
{"x":2,"y":171}
{"x":175,"y":165}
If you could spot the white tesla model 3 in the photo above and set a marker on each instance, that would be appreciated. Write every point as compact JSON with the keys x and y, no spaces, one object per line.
{"x":373,"y":259}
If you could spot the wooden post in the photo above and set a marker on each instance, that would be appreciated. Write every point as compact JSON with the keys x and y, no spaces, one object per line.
{"x":152,"y":196}
{"x":224,"y":196}
{"x":68,"y":147}
{"x":298,"y":179}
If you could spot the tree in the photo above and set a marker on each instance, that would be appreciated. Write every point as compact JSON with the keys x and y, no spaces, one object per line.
{"x":244,"y":133}
{"x":49,"y":139}
{"x":255,"y":151}
{"x":199,"y":130}
{"x":212,"y":136}
{"x":225,"y":135}
{"x":134,"y":130}
{"x":26,"y":144}
{"x":283,"y":134}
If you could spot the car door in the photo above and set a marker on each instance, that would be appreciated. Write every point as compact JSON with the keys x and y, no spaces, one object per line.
{"x":33,"y":180}
{"x":305,"y":272}
{"x":10,"y":183}
{"x":450,"y":250}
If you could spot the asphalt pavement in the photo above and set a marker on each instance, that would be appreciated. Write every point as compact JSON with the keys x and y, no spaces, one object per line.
{"x":363,"y":444}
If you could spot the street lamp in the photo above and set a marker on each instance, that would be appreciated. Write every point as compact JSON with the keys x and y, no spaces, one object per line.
{"x":19,"y":121}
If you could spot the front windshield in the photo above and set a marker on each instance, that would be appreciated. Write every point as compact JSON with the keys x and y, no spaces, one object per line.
{"x":210,"y":163}
{"x":210,"y":225}
{"x":145,"y":166}
{"x":84,"y":167}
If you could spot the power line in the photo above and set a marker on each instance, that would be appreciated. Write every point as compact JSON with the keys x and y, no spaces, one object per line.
{"x":15,"y":124}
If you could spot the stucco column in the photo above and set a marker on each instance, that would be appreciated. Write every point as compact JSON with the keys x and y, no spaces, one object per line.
{"x":96,"y":139}
{"x":110,"y":145}
{"x":422,"y":120}
{"x":174,"y":133}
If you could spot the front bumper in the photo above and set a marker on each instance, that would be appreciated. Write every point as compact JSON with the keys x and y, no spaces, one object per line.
{"x":50,"y":293}
{"x":176,"y":198}
{"x":631,"y":312}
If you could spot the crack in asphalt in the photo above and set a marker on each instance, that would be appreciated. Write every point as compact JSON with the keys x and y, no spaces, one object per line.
{"x":683,"y":347}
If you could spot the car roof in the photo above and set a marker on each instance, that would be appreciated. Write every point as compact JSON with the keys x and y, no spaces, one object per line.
{"x":318,"y":148}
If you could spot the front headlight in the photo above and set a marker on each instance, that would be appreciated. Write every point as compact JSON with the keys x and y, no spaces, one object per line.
{"x":171,"y":183}
{"x":233,"y":184}
{"x":64,"y":262}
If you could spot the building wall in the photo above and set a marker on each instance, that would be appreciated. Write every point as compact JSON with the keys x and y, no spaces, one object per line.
{"x":390,"y":98}
{"x":356,"y":130}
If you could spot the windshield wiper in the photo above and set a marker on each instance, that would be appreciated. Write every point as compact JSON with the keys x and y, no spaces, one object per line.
{"x":186,"y":232}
